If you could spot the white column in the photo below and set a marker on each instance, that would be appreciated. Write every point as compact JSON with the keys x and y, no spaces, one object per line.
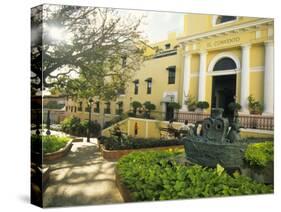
{"x":186,"y":79}
{"x":202,"y":76}
{"x":268,"y":78}
{"x":245,"y":76}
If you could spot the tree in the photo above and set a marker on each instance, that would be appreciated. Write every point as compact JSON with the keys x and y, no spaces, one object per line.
{"x":149,"y":107}
{"x":103,"y":49}
{"x":174,"y":105}
{"x":136,"y":105}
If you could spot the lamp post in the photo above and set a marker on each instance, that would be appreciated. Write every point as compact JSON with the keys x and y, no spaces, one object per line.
{"x":90,"y":101}
{"x":48,"y":123}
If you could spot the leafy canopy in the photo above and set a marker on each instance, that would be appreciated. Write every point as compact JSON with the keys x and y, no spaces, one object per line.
{"x":96,"y":55}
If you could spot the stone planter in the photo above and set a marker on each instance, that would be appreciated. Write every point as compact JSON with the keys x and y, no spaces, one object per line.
{"x":117,"y":154}
{"x":49,"y":157}
{"x":124,"y":191}
{"x":262,"y":175}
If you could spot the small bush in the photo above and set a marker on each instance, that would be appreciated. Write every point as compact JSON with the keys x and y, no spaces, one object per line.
{"x":203,"y":105}
{"x":155,"y":176}
{"x":259,"y":154}
{"x":115,"y":143}
{"x":74,"y":126}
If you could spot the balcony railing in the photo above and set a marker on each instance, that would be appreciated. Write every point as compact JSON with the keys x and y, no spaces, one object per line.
{"x":246,"y":121}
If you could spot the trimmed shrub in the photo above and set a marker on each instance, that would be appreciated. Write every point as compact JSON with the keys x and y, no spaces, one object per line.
{"x":115,"y":143}
{"x":259,"y":154}
{"x":156,"y":176}
{"x":203,"y":105}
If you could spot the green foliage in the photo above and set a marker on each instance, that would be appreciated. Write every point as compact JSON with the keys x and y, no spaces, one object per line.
{"x":74,"y":126}
{"x":149,"y":106}
{"x":255,"y":106}
{"x":136,"y":105}
{"x":203,"y":105}
{"x":174,"y":105}
{"x":112,"y":143}
{"x":259,"y":154}
{"x":103,"y":69}
{"x":191,"y":103}
{"x":155,"y":176}
{"x":48,"y":143}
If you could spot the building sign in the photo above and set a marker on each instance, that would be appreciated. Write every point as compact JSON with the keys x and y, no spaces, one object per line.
{"x":218,"y":43}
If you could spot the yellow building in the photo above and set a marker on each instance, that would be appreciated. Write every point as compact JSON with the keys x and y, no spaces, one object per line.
{"x":218,"y":59}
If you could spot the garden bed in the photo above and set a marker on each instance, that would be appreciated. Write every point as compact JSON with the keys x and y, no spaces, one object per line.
{"x":50,"y":146}
{"x":117,"y":154}
{"x":113,"y":148}
{"x":124,"y":191}
{"x":49,"y":157}
{"x":154,"y":176}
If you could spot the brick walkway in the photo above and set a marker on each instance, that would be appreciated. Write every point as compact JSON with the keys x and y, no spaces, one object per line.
{"x":82,"y":177}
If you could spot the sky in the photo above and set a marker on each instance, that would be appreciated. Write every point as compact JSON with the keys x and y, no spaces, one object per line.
{"x":157,"y":25}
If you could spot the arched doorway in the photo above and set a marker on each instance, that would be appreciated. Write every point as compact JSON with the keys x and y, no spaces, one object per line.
{"x":224,"y":84}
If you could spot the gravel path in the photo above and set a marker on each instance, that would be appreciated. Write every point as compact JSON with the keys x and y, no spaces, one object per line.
{"x":82,"y":177}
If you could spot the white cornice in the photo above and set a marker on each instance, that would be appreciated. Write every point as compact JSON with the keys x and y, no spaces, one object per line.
{"x":224,"y":30}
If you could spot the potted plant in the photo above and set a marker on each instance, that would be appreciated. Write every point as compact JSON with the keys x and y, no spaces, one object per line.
{"x":148,"y":108}
{"x":255,"y":107}
{"x":191,"y":103}
{"x":136,"y":105}
{"x":174,"y":105}
{"x":203,"y":105}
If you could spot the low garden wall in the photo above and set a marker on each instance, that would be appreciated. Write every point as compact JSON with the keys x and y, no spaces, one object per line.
{"x":146,"y":128}
{"x":49,"y":157}
{"x":117,"y":154}
{"x":124,"y":191}
{"x":262,"y":175}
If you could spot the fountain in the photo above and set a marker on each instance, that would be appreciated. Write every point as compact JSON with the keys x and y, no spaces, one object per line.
{"x":218,"y":143}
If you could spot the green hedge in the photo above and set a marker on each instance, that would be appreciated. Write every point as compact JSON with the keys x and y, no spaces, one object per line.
{"x":48,"y":143}
{"x":74,"y":126}
{"x":154,"y":176}
{"x":259,"y":154}
{"x":115,"y":143}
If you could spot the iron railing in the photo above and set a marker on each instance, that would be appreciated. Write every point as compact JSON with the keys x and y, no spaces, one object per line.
{"x":246,"y":121}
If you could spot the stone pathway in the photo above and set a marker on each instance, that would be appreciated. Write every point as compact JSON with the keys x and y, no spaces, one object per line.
{"x":82,"y":177}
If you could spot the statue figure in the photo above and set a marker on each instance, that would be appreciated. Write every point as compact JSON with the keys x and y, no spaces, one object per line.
{"x":233,"y":134}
